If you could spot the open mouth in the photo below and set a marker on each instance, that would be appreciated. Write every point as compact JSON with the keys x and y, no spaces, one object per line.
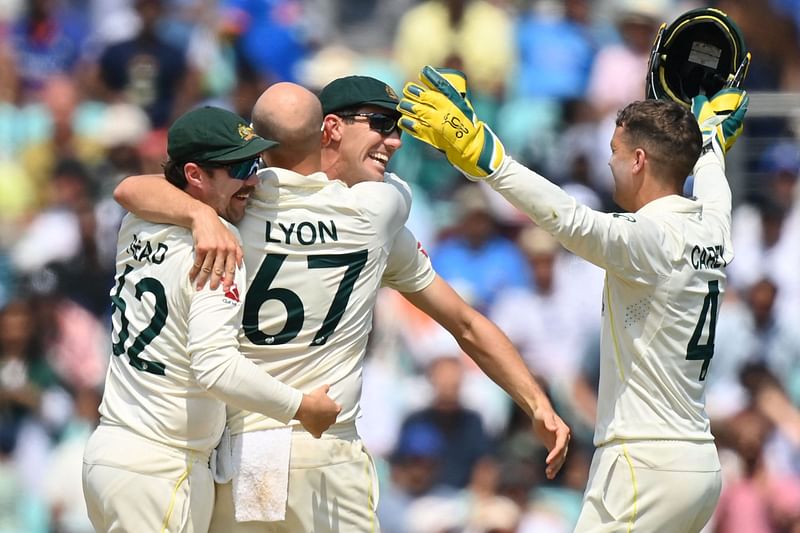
{"x":242,"y":195}
{"x":382,"y":159}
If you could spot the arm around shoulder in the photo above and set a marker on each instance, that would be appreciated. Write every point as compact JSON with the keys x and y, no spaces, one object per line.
{"x":151,"y":197}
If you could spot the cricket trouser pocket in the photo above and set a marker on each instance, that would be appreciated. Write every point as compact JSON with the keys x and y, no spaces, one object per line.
{"x":664,"y":486}
{"x":333,"y":480}
{"x":135,"y":484}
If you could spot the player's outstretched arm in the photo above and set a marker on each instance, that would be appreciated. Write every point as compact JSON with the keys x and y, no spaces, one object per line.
{"x":494,"y":353}
{"x":217,"y":250}
{"x":721,"y":121}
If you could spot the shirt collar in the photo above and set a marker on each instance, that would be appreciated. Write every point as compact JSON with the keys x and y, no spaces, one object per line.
{"x":671,"y":204}
{"x":281,"y":177}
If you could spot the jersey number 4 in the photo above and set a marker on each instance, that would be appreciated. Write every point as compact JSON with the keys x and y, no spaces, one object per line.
{"x":146,"y":336}
{"x":704,"y":352}
{"x":261,"y":291}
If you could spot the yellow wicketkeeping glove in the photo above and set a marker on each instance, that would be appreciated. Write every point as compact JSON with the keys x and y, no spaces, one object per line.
{"x":439,"y":113}
{"x":721,"y":118}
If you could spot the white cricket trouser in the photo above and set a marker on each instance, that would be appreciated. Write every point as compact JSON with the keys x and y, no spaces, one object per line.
{"x":650,"y":486}
{"x":333,"y":487}
{"x":134,"y":484}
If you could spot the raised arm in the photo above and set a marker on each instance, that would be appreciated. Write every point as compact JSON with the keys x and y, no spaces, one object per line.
{"x":493,"y":352}
{"x":217,"y":250}
{"x":721,"y":121}
{"x":438,"y":113}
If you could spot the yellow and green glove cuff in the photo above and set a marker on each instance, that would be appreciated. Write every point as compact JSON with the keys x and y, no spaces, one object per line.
{"x":721,"y":118}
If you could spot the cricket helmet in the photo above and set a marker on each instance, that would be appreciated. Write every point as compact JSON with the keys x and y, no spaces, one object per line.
{"x":702,"y":51}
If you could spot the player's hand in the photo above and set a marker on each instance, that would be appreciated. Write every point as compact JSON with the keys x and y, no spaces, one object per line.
{"x":217,"y":251}
{"x":318,"y":411}
{"x":438,"y":113}
{"x":721,"y":118}
{"x":555,"y":435}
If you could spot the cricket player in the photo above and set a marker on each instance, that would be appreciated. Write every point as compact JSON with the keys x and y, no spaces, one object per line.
{"x":175,"y":350}
{"x":324,"y":301}
{"x":656,"y":466}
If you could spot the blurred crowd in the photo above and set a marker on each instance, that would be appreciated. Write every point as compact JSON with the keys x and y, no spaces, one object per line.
{"x":88,"y":88}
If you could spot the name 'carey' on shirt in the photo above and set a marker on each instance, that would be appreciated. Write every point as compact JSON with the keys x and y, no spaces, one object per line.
{"x":706,"y":257}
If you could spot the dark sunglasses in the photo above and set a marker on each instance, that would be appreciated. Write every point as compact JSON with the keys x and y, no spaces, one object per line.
{"x":383,"y":124}
{"x":243,"y":169}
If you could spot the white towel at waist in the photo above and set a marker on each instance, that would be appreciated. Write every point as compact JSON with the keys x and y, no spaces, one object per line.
{"x":261,"y":474}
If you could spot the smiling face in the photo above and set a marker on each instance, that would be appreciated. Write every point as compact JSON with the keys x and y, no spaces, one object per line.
{"x":214,"y":186}
{"x":362,"y":153}
{"x":232,"y":194}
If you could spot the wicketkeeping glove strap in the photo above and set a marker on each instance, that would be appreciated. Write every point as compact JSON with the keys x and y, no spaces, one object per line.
{"x":721,"y":118}
{"x":439,"y":113}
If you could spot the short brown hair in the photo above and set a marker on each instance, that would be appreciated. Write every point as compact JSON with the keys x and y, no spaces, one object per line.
{"x":174,"y":173}
{"x":667,"y":131}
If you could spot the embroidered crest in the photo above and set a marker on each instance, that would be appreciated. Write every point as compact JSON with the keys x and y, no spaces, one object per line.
{"x":246,"y":132}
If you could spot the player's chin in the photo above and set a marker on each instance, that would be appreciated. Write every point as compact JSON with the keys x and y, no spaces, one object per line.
{"x":374,"y":170}
{"x":235,"y":211}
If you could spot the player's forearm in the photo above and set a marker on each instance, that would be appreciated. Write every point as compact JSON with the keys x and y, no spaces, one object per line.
{"x":611,"y":241}
{"x":240,"y":383}
{"x":580,"y":229}
{"x":220,"y":368}
{"x":711,"y":185}
{"x":482,"y":340}
{"x":496,"y":356}
{"x":543,"y":201}
{"x":153,"y":198}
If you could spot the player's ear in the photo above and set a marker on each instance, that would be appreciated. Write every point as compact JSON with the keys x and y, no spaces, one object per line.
{"x":331,"y":129}
{"x":194,"y":174}
{"x":639,"y":159}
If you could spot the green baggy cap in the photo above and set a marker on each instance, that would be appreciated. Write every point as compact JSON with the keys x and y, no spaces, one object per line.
{"x":356,"y":91}
{"x":213,"y":135}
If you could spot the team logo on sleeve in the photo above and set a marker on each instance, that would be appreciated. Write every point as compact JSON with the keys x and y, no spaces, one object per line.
{"x":422,"y":250}
{"x":232,"y":294}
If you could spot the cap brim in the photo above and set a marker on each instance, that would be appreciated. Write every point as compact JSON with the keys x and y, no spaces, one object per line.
{"x":388,"y":105}
{"x":249,"y":151}
{"x":385,"y":104}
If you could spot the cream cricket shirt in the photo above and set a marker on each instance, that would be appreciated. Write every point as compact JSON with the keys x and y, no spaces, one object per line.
{"x":175,"y":352}
{"x":665,"y":270}
{"x":315,"y":252}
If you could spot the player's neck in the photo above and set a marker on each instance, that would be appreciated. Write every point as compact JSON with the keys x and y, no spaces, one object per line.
{"x":653,"y":189}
